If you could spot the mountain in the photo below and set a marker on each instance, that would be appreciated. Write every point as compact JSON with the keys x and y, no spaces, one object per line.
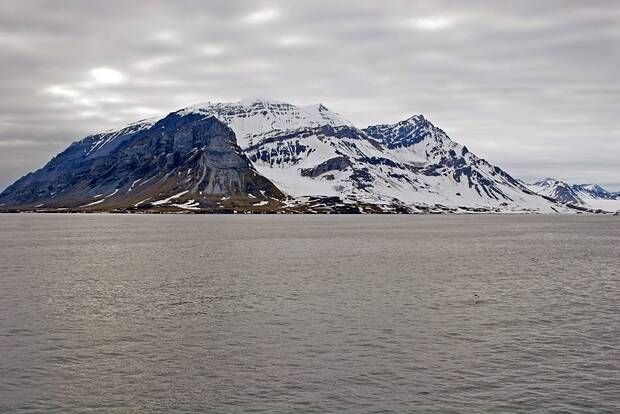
{"x":271,"y":156}
{"x":596,"y":191}
{"x":557,"y":190}
{"x":182,"y":161}
{"x":448,"y":172}
{"x":591,"y":196}
{"x":412,"y":164}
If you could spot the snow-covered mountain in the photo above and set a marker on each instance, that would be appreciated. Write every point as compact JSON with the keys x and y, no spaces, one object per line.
{"x":557,"y":190}
{"x":251,"y":119}
{"x":596,"y":191}
{"x":275,"y":157}
{"x":591,"y":196}
{"x":448,"y":172}
{"x":411,"y":163}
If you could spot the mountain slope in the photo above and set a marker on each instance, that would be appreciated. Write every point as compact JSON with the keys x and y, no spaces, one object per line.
{"x":192,"y":161}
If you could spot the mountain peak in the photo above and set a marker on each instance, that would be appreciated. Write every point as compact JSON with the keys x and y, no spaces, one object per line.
{"x":243,"y":103}
{"x":416,"y":119}
{"x":592,"y":187}
{"x":408,"y":132}
{"x":548,"y":182}
{"x":265,"y":100}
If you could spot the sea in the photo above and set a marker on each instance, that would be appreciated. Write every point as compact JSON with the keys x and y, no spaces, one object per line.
{"x":111,"y":313}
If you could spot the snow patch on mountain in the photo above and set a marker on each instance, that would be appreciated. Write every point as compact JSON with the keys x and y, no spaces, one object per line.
{"x":103,"y":143}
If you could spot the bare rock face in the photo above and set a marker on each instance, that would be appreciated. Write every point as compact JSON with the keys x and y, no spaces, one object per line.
{"x":184,"y":160}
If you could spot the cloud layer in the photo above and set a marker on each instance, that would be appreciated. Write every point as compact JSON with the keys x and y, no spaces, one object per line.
{"x":532,"y":86}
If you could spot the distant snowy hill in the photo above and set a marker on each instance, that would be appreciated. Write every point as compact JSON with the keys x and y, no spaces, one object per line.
{"x":271,"y":156}
{"x":591,"y":196}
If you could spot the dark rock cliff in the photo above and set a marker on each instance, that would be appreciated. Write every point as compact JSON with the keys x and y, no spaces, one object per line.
{"x":193,"y":154}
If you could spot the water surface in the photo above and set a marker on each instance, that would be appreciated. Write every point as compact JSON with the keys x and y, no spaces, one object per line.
{"x":360,"y":314}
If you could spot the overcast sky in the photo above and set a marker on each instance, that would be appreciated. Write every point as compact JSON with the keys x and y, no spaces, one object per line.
{"x":532,"y":86}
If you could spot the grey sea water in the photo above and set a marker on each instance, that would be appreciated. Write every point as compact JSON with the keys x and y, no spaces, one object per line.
{"x":360,"y":314}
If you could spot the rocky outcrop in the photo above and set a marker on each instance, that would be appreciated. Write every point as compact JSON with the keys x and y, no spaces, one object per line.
{"x":336,"y":163}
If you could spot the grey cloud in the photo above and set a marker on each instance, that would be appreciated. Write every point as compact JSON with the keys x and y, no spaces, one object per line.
{"x":532,"y":86}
